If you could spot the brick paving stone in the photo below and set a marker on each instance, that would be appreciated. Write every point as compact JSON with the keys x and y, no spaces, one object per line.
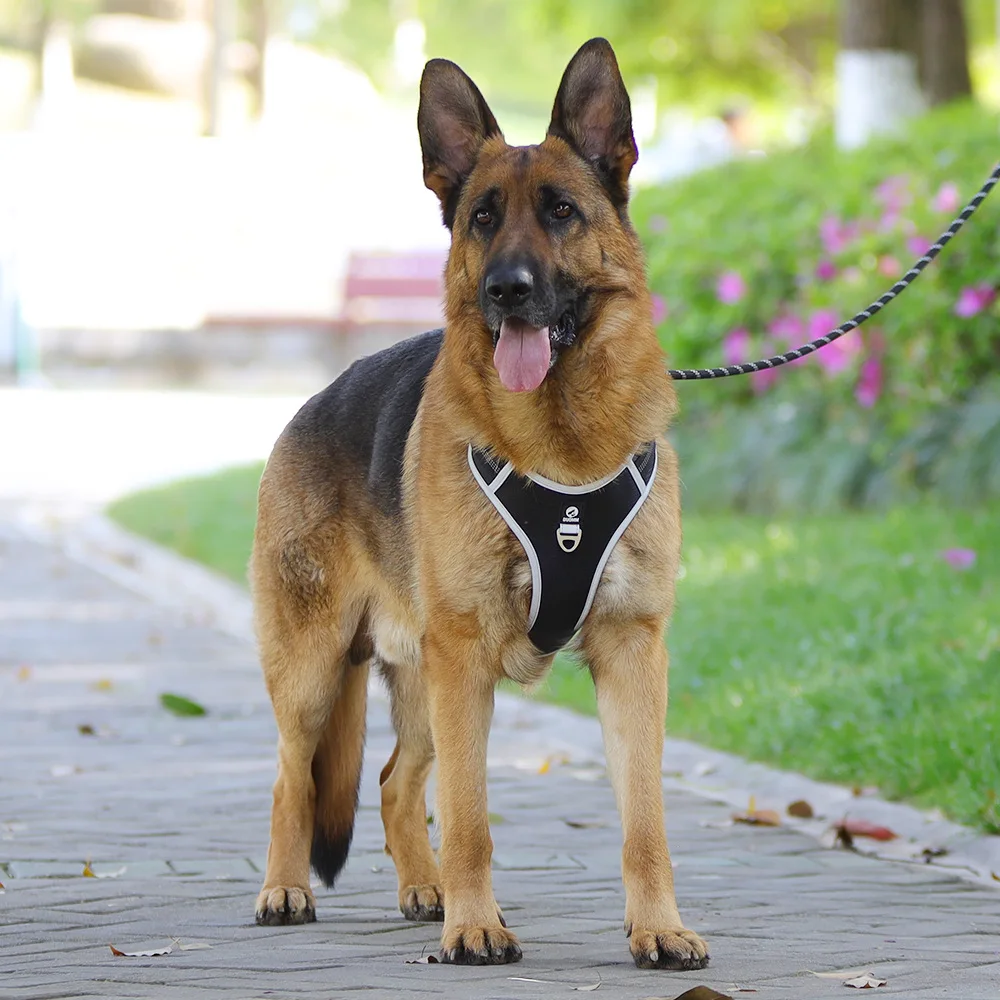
{"x":174,"y":811}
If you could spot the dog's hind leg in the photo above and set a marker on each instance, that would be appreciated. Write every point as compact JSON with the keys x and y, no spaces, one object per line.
{"x":628,"y":661}
{"x":404,"y":803}
{"x":319,"y":692}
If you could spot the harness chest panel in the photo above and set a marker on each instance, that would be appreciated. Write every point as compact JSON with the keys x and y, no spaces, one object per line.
{"x":567,"y":532}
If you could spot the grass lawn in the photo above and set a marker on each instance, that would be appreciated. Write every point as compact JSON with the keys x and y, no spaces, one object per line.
{"x":845,"y":647}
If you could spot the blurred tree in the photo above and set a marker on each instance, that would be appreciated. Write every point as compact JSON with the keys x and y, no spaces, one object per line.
{"x":943,"y":51}
{"x":896,"y":58}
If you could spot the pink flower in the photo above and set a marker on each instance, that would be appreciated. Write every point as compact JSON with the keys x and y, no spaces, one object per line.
{"x":918,"y":245}
{"x":833,"y":234}
{"x":889,"y":220}
{"x":730,"y":287}
{"x":893,"y":192}
{"x":947,"y":198}
{"x":837,"y":356}
{"x":821,"y":322}
{"x":869,"y":384}
{"x":826,"y":270}
{"x":959,"y":558}
{"x":659,"y":307}
{"x":889,"y":266}
{"x":974,"y":299}
{"x":788,"y":328}
{"x":763,"y":380}
{"x":657,"y":223}
{"x":736,"y":346}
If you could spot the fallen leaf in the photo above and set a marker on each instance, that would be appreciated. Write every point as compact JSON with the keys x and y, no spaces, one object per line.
{"x":86,"y":729}
{"x":90,"y":873}
{"x":862,"y":791}
{"x":191,"y":945}
{"x":425,"y":960}
{"x":588,"y":989}
{"x":930,"y":853}
{"x":801,"y":809}
{"x":104,"y":684}
{"x":24,"y":673}
{"x":758,"y":817}
{"x":837,"y":973}
{"x":181,"y":706}
{"x":868,"y":981}
{"x":546,"y":765}
{"x":583,"y":824}
{"x":864,"y":828}
{"x":702,"y":993}
{"x":995,"y":876}
{"x":2,"y":889}
{"x":150,"y":953}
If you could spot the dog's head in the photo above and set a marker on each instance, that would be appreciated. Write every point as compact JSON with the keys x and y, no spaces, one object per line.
{"x":540,"y":234}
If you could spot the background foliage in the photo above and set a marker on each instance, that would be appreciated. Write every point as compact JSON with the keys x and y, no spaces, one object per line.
{"x":761,"y":255}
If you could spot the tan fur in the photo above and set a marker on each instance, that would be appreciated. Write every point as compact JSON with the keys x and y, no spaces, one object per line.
{"x":335,"y":583}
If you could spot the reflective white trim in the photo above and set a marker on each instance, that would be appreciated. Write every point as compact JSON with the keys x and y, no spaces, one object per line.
{"x":644,"y":491}
{"x":529,"y":550}
{"x":550,"y":484}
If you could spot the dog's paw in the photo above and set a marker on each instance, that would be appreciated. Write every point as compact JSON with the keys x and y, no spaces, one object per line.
{"x":680,"y":950}
{"x":479,"y":946}
{"x":422,"y":902}
{"x":278,"y":905}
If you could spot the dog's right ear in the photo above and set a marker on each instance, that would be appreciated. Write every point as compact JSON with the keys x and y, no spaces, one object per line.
{"x":453,"y":121}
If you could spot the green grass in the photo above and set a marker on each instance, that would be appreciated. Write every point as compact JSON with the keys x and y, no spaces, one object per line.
{"x":844,"y":646}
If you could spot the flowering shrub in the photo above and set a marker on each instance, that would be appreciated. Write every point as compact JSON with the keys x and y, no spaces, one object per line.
{"x":758,"y":256}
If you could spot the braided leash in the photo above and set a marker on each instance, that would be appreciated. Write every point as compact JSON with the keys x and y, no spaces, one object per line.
{"x":861,"y":317}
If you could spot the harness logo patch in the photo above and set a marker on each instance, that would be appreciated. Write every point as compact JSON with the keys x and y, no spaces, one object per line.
{"x":569,"y":532}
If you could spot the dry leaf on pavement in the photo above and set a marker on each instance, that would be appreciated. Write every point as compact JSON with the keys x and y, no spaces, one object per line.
{"x":801,"y":809}
{"x":150,"y":953}
{"x":868,"y":981}
{"x":848,"y":828}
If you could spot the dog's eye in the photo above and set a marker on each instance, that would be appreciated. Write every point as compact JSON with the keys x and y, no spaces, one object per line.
{"x":484,"y":217}
{"x":562,"y":211}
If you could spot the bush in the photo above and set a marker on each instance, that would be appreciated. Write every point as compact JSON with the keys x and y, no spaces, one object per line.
{"x":764,"y":254}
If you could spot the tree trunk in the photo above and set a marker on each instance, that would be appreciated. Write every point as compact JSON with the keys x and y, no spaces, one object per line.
{"x":944,"y":63}
{"x":259,"y":30}
{"x":878,"y":86}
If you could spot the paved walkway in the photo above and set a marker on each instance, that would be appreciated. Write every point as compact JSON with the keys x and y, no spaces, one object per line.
{"x":172,"y":814}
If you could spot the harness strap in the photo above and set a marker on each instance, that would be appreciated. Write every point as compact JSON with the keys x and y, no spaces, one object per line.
{"x":567,"y":532}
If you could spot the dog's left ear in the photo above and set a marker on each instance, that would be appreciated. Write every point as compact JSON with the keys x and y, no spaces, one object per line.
{"x":592,"y":113}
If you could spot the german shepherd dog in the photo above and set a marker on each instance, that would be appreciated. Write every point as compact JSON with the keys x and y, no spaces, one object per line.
{"x":376,"y":546}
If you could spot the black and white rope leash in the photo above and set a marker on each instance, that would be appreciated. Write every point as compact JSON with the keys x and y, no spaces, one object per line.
{"x":861,"y":317}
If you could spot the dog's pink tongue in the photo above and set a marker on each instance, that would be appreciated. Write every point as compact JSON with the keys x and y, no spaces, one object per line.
{"x":522,"y":355}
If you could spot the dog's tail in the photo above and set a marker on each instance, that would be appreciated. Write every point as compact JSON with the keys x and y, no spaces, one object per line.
{"x":336,"y":771}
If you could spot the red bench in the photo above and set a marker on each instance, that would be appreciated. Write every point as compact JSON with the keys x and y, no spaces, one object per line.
{"x":403,"y":290}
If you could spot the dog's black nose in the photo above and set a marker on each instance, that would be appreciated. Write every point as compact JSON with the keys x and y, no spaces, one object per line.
{"x":509,"y":285}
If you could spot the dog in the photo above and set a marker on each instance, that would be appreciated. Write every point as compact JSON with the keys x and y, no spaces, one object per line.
{"x":383,"y":537}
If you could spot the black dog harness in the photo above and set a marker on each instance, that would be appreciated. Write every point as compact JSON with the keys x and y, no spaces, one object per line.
{"x":567,"y":532}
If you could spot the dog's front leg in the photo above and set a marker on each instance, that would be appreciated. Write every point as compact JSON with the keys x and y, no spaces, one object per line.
{"x":461,"y":704}
{"x":628,"y":662}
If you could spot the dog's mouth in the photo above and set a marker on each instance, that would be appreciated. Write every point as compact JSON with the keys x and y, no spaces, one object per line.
{"x":524,"y":354}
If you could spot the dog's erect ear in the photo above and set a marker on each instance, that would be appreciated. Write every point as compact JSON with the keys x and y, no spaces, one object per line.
{"x":592,"y":113}
{"x":453,"y":121}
